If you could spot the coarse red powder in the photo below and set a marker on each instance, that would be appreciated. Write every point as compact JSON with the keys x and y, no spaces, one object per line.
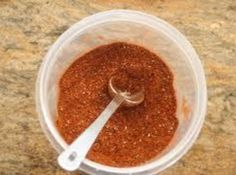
{"x":134,"y":135}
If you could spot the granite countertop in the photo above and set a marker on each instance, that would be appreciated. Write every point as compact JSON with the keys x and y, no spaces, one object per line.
{"x":28,"y":28}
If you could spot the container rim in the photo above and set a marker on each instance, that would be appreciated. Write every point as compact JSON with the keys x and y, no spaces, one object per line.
{"x":142,"y":18}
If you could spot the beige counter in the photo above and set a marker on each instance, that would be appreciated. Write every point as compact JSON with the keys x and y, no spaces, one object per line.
{"x":28,"y":28}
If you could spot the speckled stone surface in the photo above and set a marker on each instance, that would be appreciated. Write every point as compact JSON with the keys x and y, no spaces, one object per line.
{"x":28,"y":28}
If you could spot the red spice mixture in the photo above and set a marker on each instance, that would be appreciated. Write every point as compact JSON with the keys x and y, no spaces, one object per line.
{"x":133,"y":135}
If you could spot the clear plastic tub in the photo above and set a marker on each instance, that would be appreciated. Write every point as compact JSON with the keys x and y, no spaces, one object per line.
{"x":145,"y":30}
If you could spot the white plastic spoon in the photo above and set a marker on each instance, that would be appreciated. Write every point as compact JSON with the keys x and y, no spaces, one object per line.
{"x":71,"y":158}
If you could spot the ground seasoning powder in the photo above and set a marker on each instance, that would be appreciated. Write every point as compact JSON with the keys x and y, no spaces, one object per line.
{"x":133,"y":135}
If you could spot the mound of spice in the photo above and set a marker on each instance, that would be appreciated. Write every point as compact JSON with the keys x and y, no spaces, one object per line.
{"x":133,"y":135}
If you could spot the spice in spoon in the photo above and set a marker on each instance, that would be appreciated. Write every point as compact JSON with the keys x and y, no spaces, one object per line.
{"x":134,"y":135}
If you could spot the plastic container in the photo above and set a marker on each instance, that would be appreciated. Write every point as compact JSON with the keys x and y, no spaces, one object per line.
{"x":145,"y":30}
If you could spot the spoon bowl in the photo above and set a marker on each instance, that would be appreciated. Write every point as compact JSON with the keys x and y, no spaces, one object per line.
{"x":130,"y":100}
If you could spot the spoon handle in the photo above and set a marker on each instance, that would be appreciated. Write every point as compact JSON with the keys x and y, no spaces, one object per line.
{"x":71,"y":158}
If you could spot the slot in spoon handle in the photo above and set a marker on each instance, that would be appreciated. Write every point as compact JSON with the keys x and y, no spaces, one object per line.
{"x":71,"y":158}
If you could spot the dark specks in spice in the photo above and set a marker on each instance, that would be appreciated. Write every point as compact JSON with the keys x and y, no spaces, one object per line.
{"x":133,"y":135}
